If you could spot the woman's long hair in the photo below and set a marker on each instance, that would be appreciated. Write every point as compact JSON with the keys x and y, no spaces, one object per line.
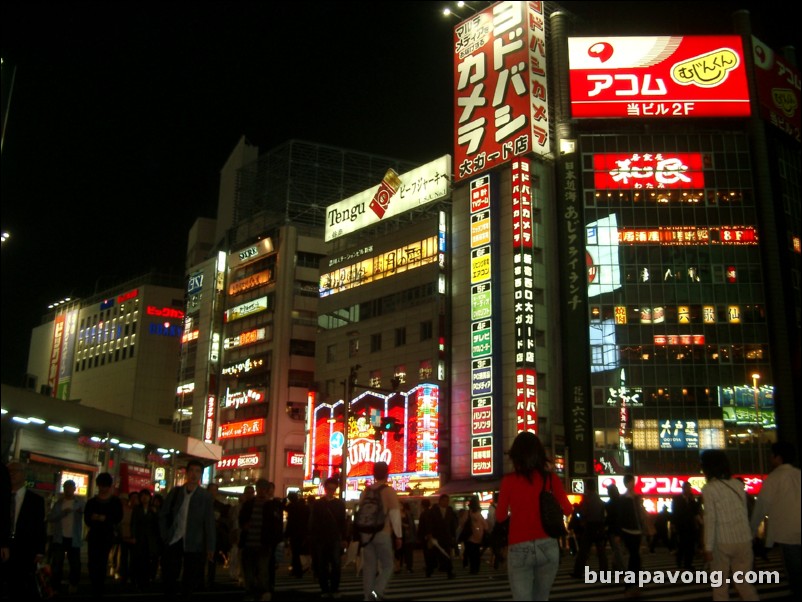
{"x":527,"y":455}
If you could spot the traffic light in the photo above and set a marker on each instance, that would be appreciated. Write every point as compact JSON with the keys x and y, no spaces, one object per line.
{"x":389,"y":424}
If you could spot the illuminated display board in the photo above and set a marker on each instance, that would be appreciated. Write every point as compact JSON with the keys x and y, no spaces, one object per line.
{"x":677,"y":434}
{"x":648,"y":170}
{"x":523,"y":297}
{"x":126,"y":296}
{"x":658,"y":77}
{"x":413,"y":447}
{"x":259,"y":250}
{"x":778,"y":89}
{"x":688,"y":235}
{"x":240,"y":398}
{"x":245,"y":338}
{"x":398,"y":194}
{"x":62,"y":354}
{"x":246,"y":309}
{"x":194,"y":282}
{"x":246,"y":428}
{"x":246,"y":365}
{"x":481,"y":334}
{"x":383,"y":265}
{"x":671,"y":485}
{"x":251,"y":282}
{"x":240,"y":461}
{"x":601,"y":256}
{"x":211,"y":408}
{"x":294,"y":458}
{"x":500,"y":95}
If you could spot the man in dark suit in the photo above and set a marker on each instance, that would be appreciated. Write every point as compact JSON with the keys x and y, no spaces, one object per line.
{"x":186,"y":523}
{"x":27,"y":536}
{"x":442,"y":531}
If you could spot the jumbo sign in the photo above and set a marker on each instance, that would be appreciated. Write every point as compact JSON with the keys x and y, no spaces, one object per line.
{"x":659,"y":76}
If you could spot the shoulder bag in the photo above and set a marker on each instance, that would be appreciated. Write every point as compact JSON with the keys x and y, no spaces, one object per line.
{"x":551,"y":514}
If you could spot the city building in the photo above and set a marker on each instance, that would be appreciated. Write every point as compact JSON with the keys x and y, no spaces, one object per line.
{"x":643,"y":269}
{"x":248,"y":352}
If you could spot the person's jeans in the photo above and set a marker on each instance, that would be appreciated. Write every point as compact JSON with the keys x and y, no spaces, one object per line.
{"x":632,"y":544}
{"x":532,"y":567}
{"x":259,"y":569}
{"x":377,"y":556}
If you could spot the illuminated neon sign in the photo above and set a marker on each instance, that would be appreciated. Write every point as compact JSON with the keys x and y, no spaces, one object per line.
{"x":383,"y":265}
{"x":246,"y":428}
{"x":658,"y":77}
{"x":240,"y":461}
{"x":648,"y":170}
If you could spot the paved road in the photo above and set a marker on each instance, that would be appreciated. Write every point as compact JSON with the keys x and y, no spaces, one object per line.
{"x":487,"y":585}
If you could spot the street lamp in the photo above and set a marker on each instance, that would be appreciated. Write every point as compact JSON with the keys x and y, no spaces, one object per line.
{"x":759,"y":427}
{"x":349,"y":391}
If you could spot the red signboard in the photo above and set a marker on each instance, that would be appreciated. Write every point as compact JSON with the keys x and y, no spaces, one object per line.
{"x":247,"y":428}
{"x":648,"y":170}
{"x":500,"y":99}
{"x":658,"y":76}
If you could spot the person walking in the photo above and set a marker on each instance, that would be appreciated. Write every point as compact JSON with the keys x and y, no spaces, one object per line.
{"x":377,"y":548}
{"x":594,"y":531}
{"x":67,"y":518}
{"x":261,"y":523}
{"x":327,"y":521}
{"x":404,"y":556}
{"x":430,"y":553}
{"x":727,"y":535}
{"x":442,"y":527}
{"x":102,"y":515}
{"x":27,"y":536}
{"x":532,"y":556}
{"x":234,"y":564}
{"x":685,"y":522}
{"x":186,"y":524}
{"x":478,"y":530}
{"x":221,"y":536}
{"x":297,"y":532}
{"x":145,"y":530}
{"x":613,"y":527}
{"x":631,"y":518}
{"x":779,"y":500}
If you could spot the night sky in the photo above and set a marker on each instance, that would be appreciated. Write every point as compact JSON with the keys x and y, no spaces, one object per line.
{"x":122,"y":115}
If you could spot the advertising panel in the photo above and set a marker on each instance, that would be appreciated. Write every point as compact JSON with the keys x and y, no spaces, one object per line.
{"x":778,"y":89}
{"x":258,"y":250}
{"x":245,"y":428}
{"x":658,"y":77}
{"x":394,"y":195}
{"x":615,"y":171}
{"x":401,"y":429}
{"x":500,"y":96}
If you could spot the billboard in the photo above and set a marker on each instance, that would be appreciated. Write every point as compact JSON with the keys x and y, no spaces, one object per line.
{"x":657,"y":77}
{"x":401,"y":429}
{"x":778,"y":89}
{"x":500,"y":93}
{"x":394,"y":195}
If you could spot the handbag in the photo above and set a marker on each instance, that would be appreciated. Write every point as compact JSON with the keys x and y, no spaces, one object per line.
{"x":551,"y":514}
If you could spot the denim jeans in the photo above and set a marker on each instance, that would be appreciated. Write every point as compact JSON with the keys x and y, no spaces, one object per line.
{"x":378,"y":552}
{"x":532,"y":567}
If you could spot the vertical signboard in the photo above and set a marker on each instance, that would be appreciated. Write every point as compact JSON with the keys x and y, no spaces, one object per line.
{"x":778,"y":89}
{"x":523,"y":297}
{"x":481,"y":328}
{"x":500,"y":99}
{"x":574,"y":283}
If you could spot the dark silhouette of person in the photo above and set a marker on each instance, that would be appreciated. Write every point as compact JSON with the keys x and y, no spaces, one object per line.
{"x":297,"y":532}
{"x":685,"y":514}
{"x":27,"y":536}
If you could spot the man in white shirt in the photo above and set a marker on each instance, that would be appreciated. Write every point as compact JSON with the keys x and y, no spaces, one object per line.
{"x":67,"y":518}
{"x":779,"y":500}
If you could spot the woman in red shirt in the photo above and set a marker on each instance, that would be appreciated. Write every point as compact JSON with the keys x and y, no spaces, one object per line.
{"x":532,"y":557}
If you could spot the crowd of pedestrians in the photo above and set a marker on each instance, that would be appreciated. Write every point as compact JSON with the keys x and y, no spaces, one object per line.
{"x":180,"y":544}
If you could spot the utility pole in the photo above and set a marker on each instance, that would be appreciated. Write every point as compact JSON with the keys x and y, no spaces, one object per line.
{"x":350,"y":383}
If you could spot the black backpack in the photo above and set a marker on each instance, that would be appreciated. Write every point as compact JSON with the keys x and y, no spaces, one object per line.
{"x":370,"y":516}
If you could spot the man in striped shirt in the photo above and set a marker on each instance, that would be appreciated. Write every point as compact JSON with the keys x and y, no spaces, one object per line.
{"x":261,"y":521}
